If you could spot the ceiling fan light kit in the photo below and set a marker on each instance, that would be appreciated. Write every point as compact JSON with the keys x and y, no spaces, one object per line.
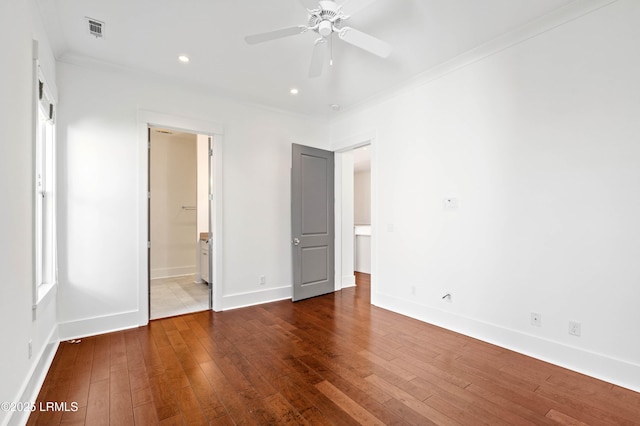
{"x":326,"y":18}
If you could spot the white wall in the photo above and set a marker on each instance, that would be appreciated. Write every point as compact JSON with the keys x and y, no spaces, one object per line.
{"x":174,"y":180}
{"x":539,"y":142}
{"x":20,"y":376}
{"x":98,"y":136}
{"x":362,"y":197}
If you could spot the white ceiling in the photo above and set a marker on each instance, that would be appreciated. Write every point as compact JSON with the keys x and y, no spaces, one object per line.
{"x":148,"y":35}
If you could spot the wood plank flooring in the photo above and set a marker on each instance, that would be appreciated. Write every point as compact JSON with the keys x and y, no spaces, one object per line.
{"x":331,"y":360}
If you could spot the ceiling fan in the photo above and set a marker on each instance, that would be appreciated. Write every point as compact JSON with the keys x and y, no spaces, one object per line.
{"x":326,"y":18}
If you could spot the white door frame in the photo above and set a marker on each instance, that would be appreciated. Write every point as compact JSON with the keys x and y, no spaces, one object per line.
{"x":148,"y":119}
{"x":341,"y":147}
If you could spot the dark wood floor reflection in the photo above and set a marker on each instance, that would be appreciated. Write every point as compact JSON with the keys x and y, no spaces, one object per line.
{"x":334,"y":359}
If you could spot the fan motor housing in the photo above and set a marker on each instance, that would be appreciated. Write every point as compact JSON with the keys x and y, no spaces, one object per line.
{"x":325,"y":18}
{"x":329,"y":6}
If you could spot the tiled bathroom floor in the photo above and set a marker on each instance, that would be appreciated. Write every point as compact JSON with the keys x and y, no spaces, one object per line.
{"x":177,"y":295}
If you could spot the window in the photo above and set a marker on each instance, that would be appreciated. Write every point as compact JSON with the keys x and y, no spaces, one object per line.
{"x":45,"y":256}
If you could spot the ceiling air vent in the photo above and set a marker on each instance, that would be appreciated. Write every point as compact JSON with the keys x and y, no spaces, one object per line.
{"x":96,"y":28}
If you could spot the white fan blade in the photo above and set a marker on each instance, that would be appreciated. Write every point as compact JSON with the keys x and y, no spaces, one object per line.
{"x":351,"y":7}
{"x":309,"y":4}
{"x":317,"y":60}
{"x":365,"y":42}
{"x":272,"y":35}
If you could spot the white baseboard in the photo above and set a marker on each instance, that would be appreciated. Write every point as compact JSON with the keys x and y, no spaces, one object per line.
{"x":35,"y":379}
{"x":348,"y":281}
{"x":242,"y":300}
{"x":177,"y":271}
{"x":603,"y":367}
{"x":98,"y":325}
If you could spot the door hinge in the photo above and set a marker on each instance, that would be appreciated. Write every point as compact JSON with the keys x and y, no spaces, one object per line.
{"x":210,"y":153}
{"x":149,"y":195}
{"x":210,"y":197}
{"x":148,"y":145}
{"x":148,"y":244}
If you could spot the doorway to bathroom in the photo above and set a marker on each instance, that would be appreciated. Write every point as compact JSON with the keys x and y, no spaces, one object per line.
{"x":179,"y":222}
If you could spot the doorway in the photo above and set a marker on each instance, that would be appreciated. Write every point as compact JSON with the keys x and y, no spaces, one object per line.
{"x":179,"y":220}
{"x":355,"y":216}
{"x":362,"y":212}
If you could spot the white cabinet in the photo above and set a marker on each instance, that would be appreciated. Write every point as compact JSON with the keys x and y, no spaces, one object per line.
{"x":363,"y":248}
{"x":204,"y":260}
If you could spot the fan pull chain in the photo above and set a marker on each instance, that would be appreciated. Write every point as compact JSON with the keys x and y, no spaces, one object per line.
{"x":331,"y":50}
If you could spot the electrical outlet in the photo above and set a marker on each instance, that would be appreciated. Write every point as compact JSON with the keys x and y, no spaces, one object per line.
{"x":575,"y":328}
{"x":536,"y":319}
{"x":263,"y":280}
{"x":30,"y":348}
{"x":450,"y":203}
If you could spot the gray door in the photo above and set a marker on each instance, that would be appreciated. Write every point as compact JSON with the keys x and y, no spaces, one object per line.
{"x":312,"y":221}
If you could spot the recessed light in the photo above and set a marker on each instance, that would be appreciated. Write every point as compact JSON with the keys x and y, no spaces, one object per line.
{"x":183,"y":58}
{"x":294,"y":91}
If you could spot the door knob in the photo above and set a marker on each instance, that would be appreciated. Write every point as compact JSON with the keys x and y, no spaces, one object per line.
{"x":296,"y":242}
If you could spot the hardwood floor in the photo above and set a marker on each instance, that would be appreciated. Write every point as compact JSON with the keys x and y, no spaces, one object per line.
{"x":334,"y":359}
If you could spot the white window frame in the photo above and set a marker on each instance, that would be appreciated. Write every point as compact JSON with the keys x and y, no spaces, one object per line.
{"x":45,"y":273}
